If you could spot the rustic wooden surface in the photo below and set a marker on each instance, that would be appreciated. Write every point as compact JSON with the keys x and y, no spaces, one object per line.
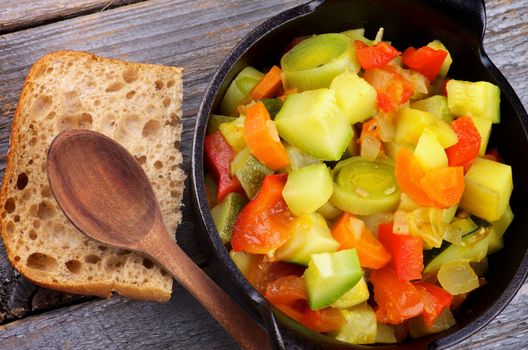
{"x":195,"y":35}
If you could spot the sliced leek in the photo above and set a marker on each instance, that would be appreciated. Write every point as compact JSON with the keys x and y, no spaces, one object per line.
{"x":365,"y":187}
{"x":245,"y":81}
{"x":314,"y":62}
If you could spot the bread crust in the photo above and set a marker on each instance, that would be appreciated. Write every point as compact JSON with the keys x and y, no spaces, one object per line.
{"x":101,"y":285}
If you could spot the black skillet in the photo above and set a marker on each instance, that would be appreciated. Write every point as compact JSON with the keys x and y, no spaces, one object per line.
{"x":460,"y":25}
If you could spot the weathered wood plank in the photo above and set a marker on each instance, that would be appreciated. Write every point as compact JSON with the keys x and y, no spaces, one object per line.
{"x":16,"y":15}
{"x":177,"y":33}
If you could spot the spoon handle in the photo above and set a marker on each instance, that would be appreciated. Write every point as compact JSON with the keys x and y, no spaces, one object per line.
{"x":242,"y":327}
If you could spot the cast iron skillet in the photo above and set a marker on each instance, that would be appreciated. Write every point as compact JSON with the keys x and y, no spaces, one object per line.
{"x":459,"y":24}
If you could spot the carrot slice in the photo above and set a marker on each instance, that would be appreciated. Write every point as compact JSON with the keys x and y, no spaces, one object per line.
{"x":444,"y":186}
{"x":263,"y":139}
{"x":351,"y":232}
{"x":268,"y":86}
{"x":409,"y":176}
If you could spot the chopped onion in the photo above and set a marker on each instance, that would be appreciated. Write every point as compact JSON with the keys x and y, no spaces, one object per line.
{"x":401,"y":226}
{"x":458,"y":277}
{"x":386,"y":126}
{"x":370,"y":147}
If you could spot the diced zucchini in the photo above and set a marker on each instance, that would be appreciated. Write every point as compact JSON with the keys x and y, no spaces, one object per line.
{"x":309,"y":235}
{"x":473,"y":248}
{"x":480,"y":99}
{"x":329,"y":212}
{"x":240,"y":87}
{"x":488,"y":187}
{"x":457,"y":277}
{"x":358,"y":294}
{"x":448,"y":214}
{"x":437,"y":45}
{"x":392,"y":148}
{"x":458,"y":229}
{"x":273,"y":105}
{"x":233,"y":132}
{"x":225,"y":214}
{"x":249,"y":171}
{"x":356,"y":98}
{"x":357,"y":34}
{"x":386,"y":334}
{"x":298,"y":159}
{"x":313,"y":63}
{"x":330,"y":275}
{"x":412,"y":122}
{"x":216,"y":120}
{"x":437,"y":105}
{"x":498,"y":229}
{"x":484,"y":128}
{"x":429,"y":153}
{"x":308,"y":188}
{"x":444,"y":321}
{"x":313,"y":122}
{"x":360,"y":327}
{"x":407,"y":203}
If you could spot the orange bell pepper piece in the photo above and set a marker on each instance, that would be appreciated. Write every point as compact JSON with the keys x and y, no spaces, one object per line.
{"x":409,"y":176}
{"x":444,"y":186}
{"x":268,"y":86}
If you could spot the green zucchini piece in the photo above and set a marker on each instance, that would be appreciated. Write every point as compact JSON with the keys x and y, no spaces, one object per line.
{"x":216,"y":120}
{"x":412,"y":122}
{"x":473,"y":248}
{"x":308,"y":188}
{"x":313,"y":63}
{"x":437,"y":45}
{"x":233,"y":132}
{"x":298,"y":159}
{"x":225,"y":214}
{"x":479,"y":99}
{"x":249,"y":171}
{"x":313,"y":122}
{"x":310,"y":235}
{"x":444,"y":321}
{"x":358,"y":294}
{"x":458,"y":229}
{"x":360,"y":326}
{"x":429,"y":153}
{"x":488,"y":187}
{"x":356,"y":98}
{"x":365,"y":187}
{"x":330,"y":275}
{"x":386,"y":334}
{"x":484,"y":128}
{"x":437,"y":105}
{"x":273,"y":105}
{"x":498,"y":229}
{"x":239,"y":88}
{"x":329,"y":212}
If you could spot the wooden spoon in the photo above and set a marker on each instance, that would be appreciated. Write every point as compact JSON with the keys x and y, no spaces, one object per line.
{"x":107,"y":195}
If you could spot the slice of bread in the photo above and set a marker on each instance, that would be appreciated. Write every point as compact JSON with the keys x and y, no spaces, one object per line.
{"x":139,"y":106}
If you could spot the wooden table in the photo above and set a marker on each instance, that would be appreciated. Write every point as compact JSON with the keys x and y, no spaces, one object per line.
{"x":196,"y":35}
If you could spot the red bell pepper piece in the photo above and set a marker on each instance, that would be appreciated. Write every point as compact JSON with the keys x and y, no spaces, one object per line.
{"x":493,"y":154}
{"x":444,"y":86}
{"x":263,"y":225}
{"x":468,"y":145}
{"x":406,"y":252}
{"x":218,"y":158}
{"x":397,"y":300}
{"x":376,"y":55}
{"x":324,"y":320}
{"x":435,"y":300}
{"x":392,"y":88}
{"x":424,"y":60}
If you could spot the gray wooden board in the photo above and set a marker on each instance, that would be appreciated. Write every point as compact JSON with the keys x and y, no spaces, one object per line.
{"x":21,"y":14}
{"x":195,"y":35}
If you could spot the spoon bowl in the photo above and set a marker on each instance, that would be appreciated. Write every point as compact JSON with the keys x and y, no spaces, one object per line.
{"x":106,"y":194}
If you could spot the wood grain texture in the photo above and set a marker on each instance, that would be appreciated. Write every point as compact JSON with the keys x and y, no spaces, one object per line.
{"x":17,"y":15}
{"x":196,"y":36}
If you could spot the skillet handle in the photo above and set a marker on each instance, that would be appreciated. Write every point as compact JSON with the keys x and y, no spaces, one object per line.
{"x":472,"y":13}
